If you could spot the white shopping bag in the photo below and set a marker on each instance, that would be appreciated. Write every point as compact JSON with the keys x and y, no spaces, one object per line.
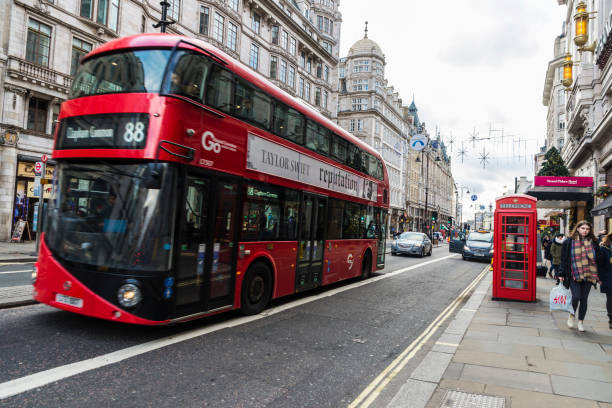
{"x":561,"y":299}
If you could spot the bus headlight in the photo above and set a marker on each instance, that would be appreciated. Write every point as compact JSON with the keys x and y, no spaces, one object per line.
{"x":129,"y":295}
{"x":34,"y":275}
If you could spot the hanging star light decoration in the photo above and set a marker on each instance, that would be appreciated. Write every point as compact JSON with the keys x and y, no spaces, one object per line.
{"x":484,"y":158}
{"x":451,"y":141}
{"x":462,"y":152}
{"x":473,"y":137}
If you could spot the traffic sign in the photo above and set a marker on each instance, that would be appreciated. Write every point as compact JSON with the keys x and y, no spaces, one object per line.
{"x":38,"y":168}
{"x":418,"y":142}
{"x":43,"y":158}
{"x":474,"y":197}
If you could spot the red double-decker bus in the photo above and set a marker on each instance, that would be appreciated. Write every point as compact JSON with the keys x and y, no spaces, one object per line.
{"x":186,"y":185}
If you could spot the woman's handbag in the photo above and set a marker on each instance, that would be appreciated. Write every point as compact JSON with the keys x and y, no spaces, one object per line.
{"x":561,"y":299}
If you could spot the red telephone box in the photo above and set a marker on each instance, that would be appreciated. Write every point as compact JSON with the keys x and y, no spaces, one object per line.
{"x":514,"y":248}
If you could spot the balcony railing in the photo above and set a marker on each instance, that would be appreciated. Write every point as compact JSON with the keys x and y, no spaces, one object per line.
{"x":31,"y":72}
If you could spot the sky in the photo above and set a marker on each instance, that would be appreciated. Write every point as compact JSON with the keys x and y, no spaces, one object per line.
{"x":474,"y":68}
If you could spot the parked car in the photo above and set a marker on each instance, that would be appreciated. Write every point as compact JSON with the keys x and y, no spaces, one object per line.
{"x":413,"y":243}
{"x":438,"y":236}
{"x":478,"y":245}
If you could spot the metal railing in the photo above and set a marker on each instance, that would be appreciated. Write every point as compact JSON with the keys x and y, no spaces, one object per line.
{"x":32,"y":71}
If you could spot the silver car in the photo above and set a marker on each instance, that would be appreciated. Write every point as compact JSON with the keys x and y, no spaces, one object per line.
{"x":413,"y":243}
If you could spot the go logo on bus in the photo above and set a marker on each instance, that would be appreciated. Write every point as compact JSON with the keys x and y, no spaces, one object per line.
{"x":134,"y":132}
{"x":210,"y":143}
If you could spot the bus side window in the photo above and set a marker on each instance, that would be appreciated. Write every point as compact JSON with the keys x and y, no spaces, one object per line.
{"x":219,"y":89}
{"x":261,"y":213}
{"x":372,"y":165}
{"x":334,"y":218}
{"x":317,"y":138}
{"x":353,"y":225}
{"x":243,"y":101}
{"x":262,"y":109}
{"x":295,"y":126}
{"x":379,"y":170}
{"x":355,"y":159}
{"x":290,"y":215}
{"x":338,"y":148}
{"x":189,"y":76}
{"x":280,"y":119}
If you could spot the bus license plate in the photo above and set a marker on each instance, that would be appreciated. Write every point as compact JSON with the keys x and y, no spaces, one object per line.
{"x":68,"y":300}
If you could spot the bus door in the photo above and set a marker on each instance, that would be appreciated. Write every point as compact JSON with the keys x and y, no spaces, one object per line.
{"x":207,"y":258}
{"x":311,"y":242}
{"x":381,"y":221}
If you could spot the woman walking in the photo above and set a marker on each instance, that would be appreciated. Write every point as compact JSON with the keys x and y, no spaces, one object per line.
{"x":555,"y":252}
{"x":579,"y":268}
{"x":604,"y":267}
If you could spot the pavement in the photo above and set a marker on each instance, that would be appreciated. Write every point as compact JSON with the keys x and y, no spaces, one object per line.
{"x":17,"y":252}
{"x":493,"y":353}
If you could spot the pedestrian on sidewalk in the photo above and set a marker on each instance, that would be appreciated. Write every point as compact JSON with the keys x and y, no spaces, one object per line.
{"x":546,"y":242}
{"x":555,"y":252}
{"x":579,"y":268}
{"x":604,"y":268}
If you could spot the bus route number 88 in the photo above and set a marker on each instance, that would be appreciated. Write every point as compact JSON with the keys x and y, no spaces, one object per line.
{"x":134,"y":132}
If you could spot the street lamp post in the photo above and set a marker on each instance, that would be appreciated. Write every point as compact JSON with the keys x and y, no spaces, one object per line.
{"x":467,"y":190}
{"x":427,"y":216}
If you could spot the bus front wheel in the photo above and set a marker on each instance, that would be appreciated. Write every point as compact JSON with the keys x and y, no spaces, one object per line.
{"x":256,"y":289}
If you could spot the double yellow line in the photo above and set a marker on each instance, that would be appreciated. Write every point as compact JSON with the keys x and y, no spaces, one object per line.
{"x":373,"y":390}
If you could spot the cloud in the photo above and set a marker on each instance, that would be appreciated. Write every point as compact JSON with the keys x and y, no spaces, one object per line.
{"x":469,"y":65}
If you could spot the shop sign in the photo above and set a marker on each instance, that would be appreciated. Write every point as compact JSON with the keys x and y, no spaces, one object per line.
{"x":47,"y":188}
{"x":26,"y":169}
{"x":552,"y":181}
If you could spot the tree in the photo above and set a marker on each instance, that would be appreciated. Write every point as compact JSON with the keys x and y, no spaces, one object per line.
{"x":553,"y":164}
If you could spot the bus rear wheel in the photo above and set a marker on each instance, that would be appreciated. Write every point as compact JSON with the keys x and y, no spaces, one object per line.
{"x":366,"y":265}
{"x":256,"y":289}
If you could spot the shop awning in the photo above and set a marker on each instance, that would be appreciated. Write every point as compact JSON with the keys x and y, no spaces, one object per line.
{"x":603,"y":208}
{"x":561,"y":197}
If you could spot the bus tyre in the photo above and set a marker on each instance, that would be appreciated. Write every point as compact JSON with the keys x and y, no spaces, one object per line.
{"x":366,"y":265}
{"x":256,"y":289}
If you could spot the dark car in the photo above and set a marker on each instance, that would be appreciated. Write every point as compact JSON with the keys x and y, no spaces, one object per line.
{"x":479,"y":245}
{"x":413,"y":243}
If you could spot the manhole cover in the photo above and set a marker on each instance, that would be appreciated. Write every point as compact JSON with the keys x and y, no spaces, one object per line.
{"x":457,"y":399}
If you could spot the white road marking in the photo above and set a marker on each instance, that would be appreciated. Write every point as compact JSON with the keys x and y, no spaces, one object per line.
{"x":15,"y":263}
{"x":42,"y":378}
{"x":9,"y":272}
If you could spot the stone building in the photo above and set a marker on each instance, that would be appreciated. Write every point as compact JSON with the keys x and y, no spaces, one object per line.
{"x":295,"y":43}
{"x":580,"y":116}
{"x":372,"y":110}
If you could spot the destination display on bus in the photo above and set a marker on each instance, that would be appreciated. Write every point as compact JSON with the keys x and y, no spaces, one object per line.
{"x":271,"y":158}
{"x":108,"y":131}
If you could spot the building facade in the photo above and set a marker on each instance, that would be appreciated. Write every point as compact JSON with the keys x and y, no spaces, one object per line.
{"x":584,"y":118}
{"x":372,"y":110}
{"x":295,"y":43}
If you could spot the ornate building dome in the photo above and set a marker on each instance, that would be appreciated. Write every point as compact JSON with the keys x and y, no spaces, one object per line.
{"x":365,"y":46}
